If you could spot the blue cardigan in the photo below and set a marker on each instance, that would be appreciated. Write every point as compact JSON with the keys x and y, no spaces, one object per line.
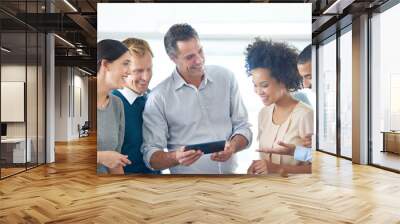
{"x":133,"y":134}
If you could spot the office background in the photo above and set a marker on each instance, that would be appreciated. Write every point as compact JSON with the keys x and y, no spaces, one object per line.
{"x":355,"y":66}
{"x":341,"y":189}
{"x":22,"y":108}
{"x":45,"y":96}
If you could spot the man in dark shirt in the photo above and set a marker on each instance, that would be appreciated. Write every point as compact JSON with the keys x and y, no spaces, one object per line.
{"x":134,"y":96}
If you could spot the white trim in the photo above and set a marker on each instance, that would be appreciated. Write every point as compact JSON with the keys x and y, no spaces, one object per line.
{"x":64,"y":40}
{"x":70,"y":5}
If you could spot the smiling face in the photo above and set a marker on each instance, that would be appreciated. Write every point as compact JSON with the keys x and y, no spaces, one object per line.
{"x":117,"y":71}
{"x":265,"y":86}
{"x":141,"y":73}
{"x":189,"y":58}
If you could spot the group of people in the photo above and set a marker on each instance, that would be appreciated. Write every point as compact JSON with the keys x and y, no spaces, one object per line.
{"x":143,"y":131}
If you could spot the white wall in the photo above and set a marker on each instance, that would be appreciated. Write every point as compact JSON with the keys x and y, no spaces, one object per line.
{"x":33,"y":126}
{"x":61,"y":103}
{"x":80,"y":83}
{"x":67,"y":115}
{"x":16,"y":73}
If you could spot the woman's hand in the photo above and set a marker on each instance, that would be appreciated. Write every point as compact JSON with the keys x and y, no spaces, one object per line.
{"x":307,"y":141}
{"x":283,"y":149}
{"x":287,"y":149}
{"x":112,"y":159}
{"x":263,"y":166}
{"x":258,"y":167}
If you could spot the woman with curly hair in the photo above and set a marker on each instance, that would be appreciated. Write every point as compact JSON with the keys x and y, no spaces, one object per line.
{"x":283,"y":120}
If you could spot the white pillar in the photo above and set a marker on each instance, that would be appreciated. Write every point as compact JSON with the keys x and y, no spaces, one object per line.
{"x":50,"y":93}
{"x":360,"y":90}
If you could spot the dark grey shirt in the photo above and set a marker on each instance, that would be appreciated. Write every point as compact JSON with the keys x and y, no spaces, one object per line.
{"x":110,"y":128}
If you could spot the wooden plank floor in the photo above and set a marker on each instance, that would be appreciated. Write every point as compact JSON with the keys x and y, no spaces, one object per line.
{"x":10,"y":171}
{"x":70,"y":192}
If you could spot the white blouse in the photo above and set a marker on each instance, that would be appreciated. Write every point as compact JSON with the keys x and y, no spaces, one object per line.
{"x":299,"y":124}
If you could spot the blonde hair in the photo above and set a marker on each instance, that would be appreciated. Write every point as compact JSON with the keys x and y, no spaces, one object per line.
{"x":137,"y":46}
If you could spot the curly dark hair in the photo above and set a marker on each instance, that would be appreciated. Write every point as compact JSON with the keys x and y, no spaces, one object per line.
{"x":278,"y":57}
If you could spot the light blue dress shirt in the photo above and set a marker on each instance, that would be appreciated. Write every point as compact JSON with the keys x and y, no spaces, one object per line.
{"x":178,"y":114}
{"x":302,"y":154}
{"x":300,"y":96}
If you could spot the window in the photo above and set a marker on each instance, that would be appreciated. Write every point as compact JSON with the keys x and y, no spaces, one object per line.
{"x":22,"y":75}
{"x":346,"y":94}
{"x":327,"y":96}
{"x":385,"y":89}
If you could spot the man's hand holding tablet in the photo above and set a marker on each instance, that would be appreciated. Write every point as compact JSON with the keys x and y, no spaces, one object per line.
{"x":187,"y":157}
{"x":224,"y":155}
{"x":221,"y":150}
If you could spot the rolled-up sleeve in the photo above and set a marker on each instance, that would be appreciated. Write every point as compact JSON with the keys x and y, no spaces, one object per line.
{"x":238,"y":113}
{"x":306,"y":127}
{"x":155,"y":128}
{"x":302,"y":154}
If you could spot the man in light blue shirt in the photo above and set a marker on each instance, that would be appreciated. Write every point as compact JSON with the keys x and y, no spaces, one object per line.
{"x":302,"y":97}
{"x":304,"y":68}
{"x":196,"y":104}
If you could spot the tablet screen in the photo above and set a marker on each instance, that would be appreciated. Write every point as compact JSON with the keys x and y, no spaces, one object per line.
{"x":209,"y":147}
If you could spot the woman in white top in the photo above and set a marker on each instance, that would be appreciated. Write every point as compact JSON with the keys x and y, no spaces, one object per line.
{"x":272,"y":66}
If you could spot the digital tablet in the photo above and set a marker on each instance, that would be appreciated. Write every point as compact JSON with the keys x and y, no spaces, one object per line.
{"x":207,"y":148}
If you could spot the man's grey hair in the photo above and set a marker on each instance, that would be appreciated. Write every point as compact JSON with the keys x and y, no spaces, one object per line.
{"x":178,"y":32}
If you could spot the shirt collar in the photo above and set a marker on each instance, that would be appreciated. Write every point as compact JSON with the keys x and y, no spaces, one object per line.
{"x":129,"y":95}
{"x":179,"y":81}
